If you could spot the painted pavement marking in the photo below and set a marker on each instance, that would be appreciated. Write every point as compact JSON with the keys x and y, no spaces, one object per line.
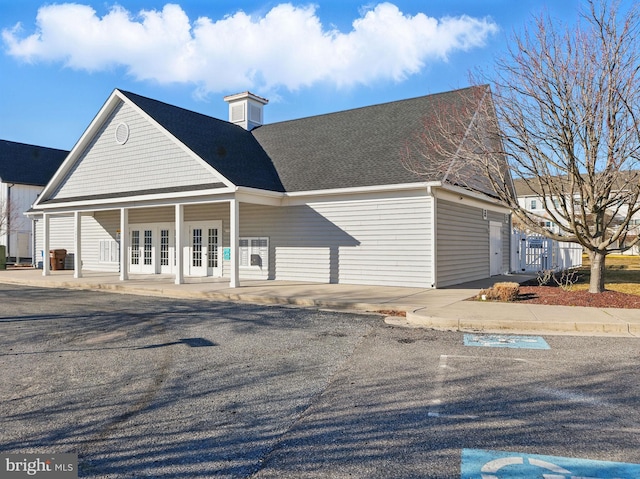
{"x":436,"y":402}
{"x":435,"y":405}
{"x":481,"y":464}
{"x":505,"y":341}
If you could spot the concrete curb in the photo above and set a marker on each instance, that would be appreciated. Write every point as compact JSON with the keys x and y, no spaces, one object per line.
{"x":215,"y":296}
{"x":441,"y":309}
{"x":417,"y":318}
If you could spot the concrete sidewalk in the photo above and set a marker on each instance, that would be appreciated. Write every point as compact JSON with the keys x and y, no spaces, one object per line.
{"x":445,"y":308}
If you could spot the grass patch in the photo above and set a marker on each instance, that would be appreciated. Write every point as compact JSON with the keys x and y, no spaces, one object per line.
{"x":622,"y":274}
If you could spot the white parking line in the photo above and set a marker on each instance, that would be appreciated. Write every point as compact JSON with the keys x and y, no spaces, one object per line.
{"x":435,"y":407}
{"x":436,"y":402}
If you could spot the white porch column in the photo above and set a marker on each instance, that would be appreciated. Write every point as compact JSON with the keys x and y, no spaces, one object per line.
{"x":45,"y":245}
{"x":77,"y":258}
{"x":179,"y":244}
{"x":234,"y":237}
{"x":124,"y":244}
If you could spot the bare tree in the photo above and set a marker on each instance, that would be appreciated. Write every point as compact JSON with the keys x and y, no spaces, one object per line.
{"x":564,"y":112}
{"x":10,"y":220}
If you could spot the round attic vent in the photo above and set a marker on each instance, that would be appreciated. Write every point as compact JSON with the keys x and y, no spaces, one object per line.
{"x":122,"y":133}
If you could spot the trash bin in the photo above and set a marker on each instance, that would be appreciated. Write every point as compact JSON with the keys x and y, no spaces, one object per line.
{"x":3,"y":256}
{"x":57,"y":257}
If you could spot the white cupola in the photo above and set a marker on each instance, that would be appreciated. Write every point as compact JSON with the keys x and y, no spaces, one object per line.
{"x":245,"y":109}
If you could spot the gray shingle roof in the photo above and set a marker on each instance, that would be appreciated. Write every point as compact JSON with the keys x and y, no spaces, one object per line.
{"x":28,"y":164}
{"x":353,"y":148}
{"x":360,"y":147}
{"x":228,"y":148}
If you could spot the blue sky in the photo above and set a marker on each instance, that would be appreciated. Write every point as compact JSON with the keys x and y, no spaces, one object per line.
{"x":60,"y":61}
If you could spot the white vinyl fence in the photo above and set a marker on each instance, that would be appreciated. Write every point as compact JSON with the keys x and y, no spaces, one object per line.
{"x":533,"y":253}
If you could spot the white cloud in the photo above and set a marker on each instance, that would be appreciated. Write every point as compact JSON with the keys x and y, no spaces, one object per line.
{"x":288,"y":47}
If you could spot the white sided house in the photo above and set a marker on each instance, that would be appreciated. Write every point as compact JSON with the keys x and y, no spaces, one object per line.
{"x":24,"y":171}
{"x":151,"y":189}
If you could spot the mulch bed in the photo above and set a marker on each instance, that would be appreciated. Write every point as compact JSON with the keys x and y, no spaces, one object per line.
{"x":558,"y":296}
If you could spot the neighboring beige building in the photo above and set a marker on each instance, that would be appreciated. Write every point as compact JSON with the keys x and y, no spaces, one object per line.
{"x":533,"y":202}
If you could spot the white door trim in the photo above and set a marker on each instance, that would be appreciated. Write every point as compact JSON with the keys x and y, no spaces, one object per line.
{"x":203,"y":253}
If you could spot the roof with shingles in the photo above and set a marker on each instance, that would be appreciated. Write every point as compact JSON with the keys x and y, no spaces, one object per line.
{"x":353,"y":148}
{"x":25,"y":164}
{"x":359,"y":147}
{"x":228,"y":148}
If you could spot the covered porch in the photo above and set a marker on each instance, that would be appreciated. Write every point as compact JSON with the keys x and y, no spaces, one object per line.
{"x":180,"y":238}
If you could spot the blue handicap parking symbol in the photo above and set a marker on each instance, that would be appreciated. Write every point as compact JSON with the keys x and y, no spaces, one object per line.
{"x":481,"y":464}
{"x":505,"y":341}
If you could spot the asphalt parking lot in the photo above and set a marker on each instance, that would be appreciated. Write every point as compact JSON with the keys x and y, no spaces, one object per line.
{"x":148,"y":387}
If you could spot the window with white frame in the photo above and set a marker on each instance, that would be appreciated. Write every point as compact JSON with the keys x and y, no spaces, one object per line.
{"x":109,"y":251}
{"x":533,"y":205}
{"x":253,"y":253}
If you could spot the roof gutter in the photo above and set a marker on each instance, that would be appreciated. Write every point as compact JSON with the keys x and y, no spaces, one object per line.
{"x":363,"y":189}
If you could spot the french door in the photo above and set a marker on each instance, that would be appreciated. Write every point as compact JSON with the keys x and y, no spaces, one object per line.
{"x":152,"y":248}
{"x":204,"y":250}
{"x":167,"y":238}
{"x":142,"y":250}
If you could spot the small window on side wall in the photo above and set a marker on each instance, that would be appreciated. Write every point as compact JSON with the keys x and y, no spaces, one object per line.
{"x":254,"y":253}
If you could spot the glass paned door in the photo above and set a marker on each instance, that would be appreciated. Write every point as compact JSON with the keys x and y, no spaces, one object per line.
{"x":196,"y":250}
{"x":148,"y":248}
{"x":204,"y":249}
{"x":167,"y":250}
{"x":148,"y":252}
{"x":135,"y":249}
{"x":142,"y":250}
{"x":212,"y":250}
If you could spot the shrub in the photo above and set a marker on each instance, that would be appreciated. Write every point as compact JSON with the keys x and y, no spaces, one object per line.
{"x":565,"y":279}
{"x":545,"y":277}
{"x":506,"y":291}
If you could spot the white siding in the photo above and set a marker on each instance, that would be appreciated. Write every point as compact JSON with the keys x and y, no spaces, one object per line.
{"x":61,"y":233}
{"x":305,"y":264}
{"x":22,"y":197}
{"x":103,"y":225}
{"x":165,"y":214}
{"x":378,"y":242}
{"x":61,"y":236}
{"x":148,"y":160}
{"x":462,"y":243}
